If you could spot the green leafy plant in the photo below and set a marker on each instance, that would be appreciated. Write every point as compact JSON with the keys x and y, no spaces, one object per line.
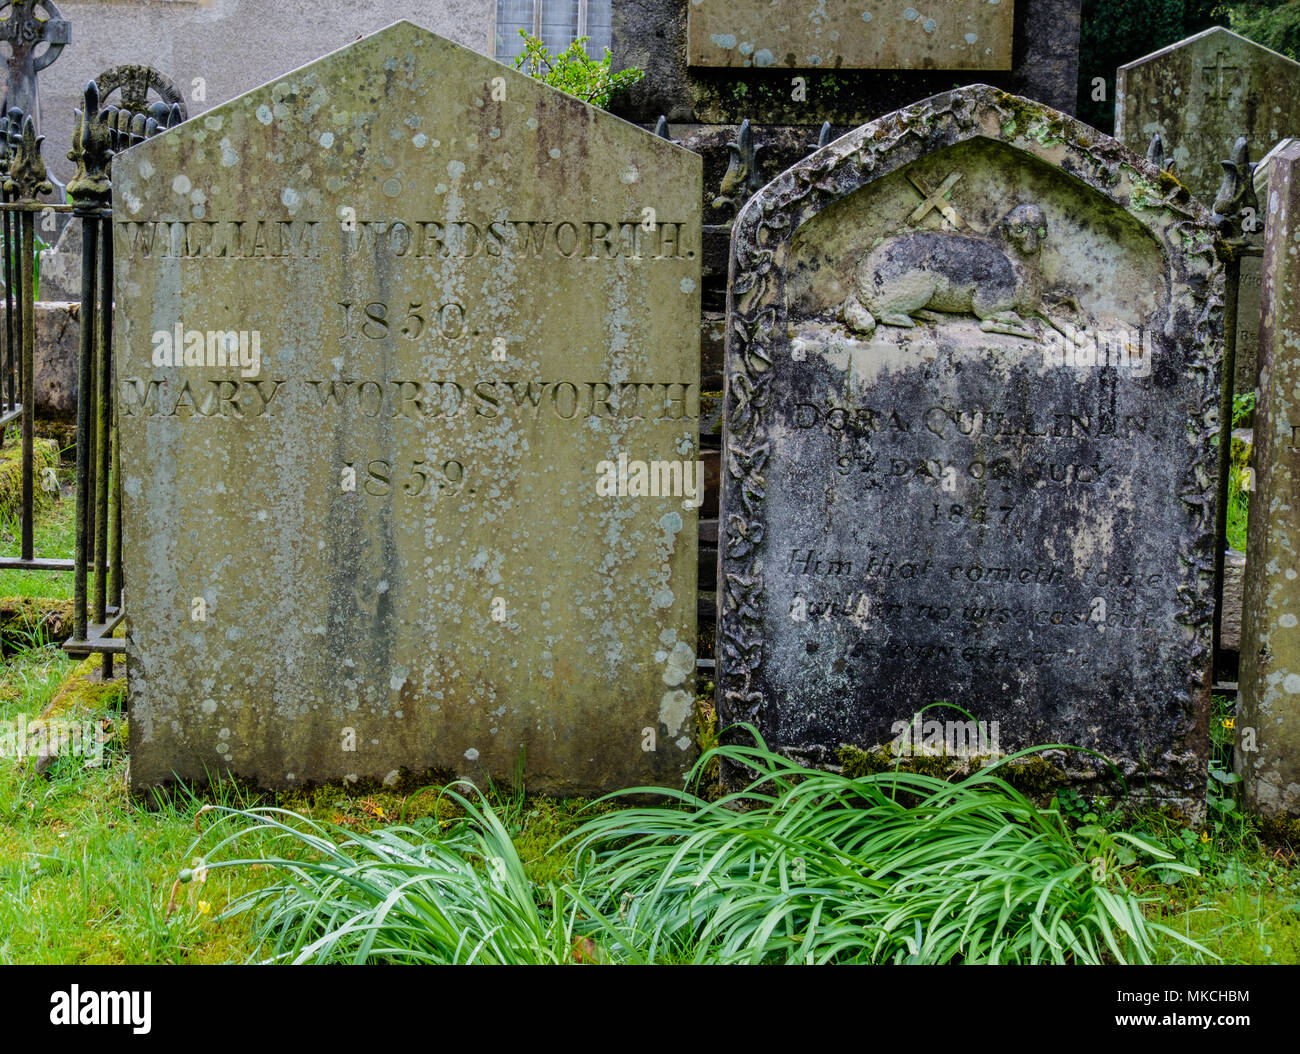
{"x":800,"y":866}
{"x":574,"y":72}
{"x":40,"y":246}
{"x":402,"y":894}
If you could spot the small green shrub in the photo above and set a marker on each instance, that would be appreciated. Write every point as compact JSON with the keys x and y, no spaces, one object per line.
{"x":573,"y":72}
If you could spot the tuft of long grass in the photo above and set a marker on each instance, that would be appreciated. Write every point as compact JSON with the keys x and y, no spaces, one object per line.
{"x":810,"y":866}
{"x":802,"y":866}
{"x":399,"y":895}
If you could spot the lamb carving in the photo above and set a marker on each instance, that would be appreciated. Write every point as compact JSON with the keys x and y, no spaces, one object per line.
{"x":995,"y":277}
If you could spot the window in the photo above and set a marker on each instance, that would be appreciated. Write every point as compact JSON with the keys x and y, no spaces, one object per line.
{"x":558,"y":22}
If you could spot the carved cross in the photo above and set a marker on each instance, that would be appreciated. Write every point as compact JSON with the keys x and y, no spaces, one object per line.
{"x":1216,"y":75}
{"x":935,"y":200}
{"x":25,"y":31}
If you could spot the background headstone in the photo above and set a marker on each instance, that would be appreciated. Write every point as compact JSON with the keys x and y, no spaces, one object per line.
{"x":652,"y":35}
{"x":1200,"y":95}
{"x":1249,"y":304}
{"x":384,"y":546}
{"x":1268,"y":706}
{"x":1014,"y":515}
{"x":844,"y":34}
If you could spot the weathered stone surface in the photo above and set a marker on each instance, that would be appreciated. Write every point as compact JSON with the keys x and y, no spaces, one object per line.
{"x":931,"y":493}
{"x":651,"y":35}
{"x":1249,"y":305}
{"x":850,"y":34}
{"x":56,"y":351}
{"x":1234,"y":568}
{"x":392,"y":526}
{"x":1200,"y":95}
{"x":1268,"y":704}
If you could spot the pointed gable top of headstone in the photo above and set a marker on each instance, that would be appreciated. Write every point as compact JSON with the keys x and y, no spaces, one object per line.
{"x":1203,"y":93}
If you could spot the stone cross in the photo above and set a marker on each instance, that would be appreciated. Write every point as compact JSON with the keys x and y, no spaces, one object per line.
{"x":936,"y":200}
{"x":24,"y":32}
{"x":1215,"y":75}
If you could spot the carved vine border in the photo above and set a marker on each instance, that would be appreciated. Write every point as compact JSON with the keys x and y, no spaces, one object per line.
{"x":756,"y":317}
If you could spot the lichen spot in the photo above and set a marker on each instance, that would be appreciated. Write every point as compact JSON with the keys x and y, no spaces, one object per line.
{"x":673,"y":709}
{"x":471,"y":754}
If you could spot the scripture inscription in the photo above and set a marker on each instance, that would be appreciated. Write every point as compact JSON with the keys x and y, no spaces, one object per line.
{"x":970,"y":457}
{"x":383,"y":326}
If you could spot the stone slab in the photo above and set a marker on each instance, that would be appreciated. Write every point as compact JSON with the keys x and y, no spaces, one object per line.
{"x":1200,"y":95}
{"x":1013,"y":516}
{"x":380,"y":544}
{"x":1267,"y":726}
{"x":852,"y":34}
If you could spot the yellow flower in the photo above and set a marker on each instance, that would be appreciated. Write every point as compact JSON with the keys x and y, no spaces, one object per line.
{"x":1229,"y":722}
{"x":1205,"y":836}
{"x":203,"y":907}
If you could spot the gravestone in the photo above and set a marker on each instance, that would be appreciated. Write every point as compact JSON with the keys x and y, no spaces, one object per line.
{"x":1267,"y":726}
{"x":972,"y":399}
{"x":408,"y":388}
{"x":1249,"y":303}
{"x":1200,"y":95}
{"x":884,"y":34}
{"x":720,"y":62}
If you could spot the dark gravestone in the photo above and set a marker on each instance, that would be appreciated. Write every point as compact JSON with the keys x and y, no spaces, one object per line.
{"x":972,"y":380}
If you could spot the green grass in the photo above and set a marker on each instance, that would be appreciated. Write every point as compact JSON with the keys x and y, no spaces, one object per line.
{"x":802,"y":864}
{"x":55,"y":537}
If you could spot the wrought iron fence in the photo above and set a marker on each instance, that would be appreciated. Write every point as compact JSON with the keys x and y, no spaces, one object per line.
{"x":98,"y":134}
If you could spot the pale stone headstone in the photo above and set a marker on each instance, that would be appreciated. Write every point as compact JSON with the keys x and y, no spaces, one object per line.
{"x":465,"y":307}
{"x":851,"y":34}
{"x":1200,"y":95}
{"x":972,"y":400}
{"x":1268,"y":707}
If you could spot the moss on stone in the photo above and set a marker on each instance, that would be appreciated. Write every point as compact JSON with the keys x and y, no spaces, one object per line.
{"x":1280,"y":830}
{"x":45,"y":454}
{"x":28,"y":621}
{"x":84,"y":692}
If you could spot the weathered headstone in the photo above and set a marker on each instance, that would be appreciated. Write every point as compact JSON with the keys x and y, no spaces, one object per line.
{"x":1200,"y":95}
{"x":972,"y":399}
{"x":707,"y":61}
{"x":24,"y":32}
{"x":462,"y":307}
{"x":1249,"y":303}
{"x":1268,"y":707}
{"x":848,"y":34}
